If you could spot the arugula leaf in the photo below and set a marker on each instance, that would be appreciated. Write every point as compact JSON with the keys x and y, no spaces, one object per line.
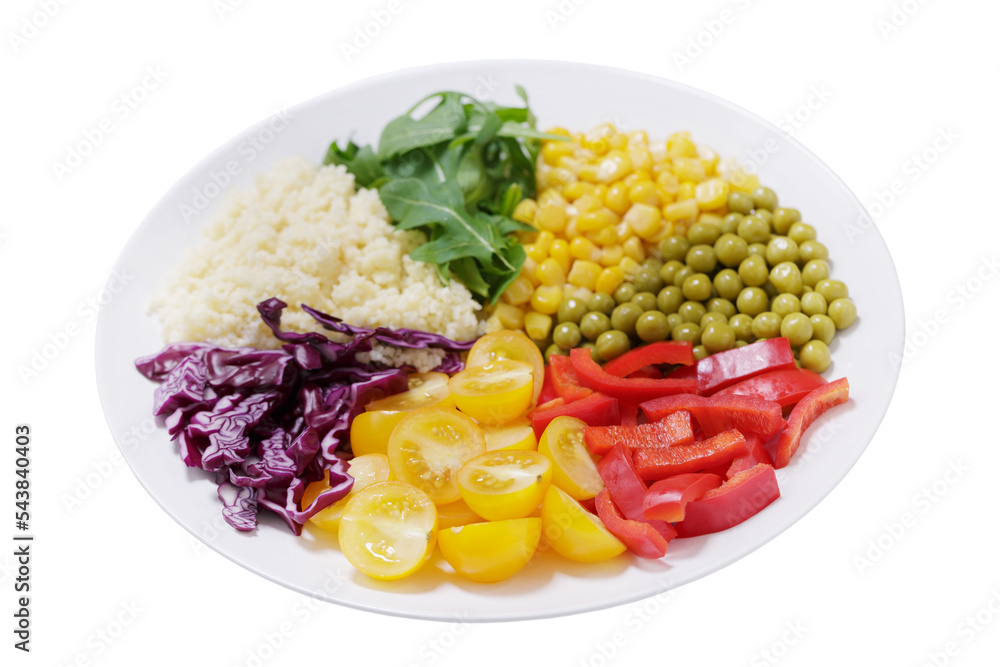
{"x":442,"y":123}
{"x":360,"y":161}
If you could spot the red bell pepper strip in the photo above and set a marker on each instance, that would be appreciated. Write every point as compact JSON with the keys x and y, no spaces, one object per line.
{"x":641,"y":538}
{"x":564,"y":379}
{"x":629,"y":412}
{"x":756,"y":454}
{"x":734,"y":502}
{"x":648,"y":372}
{"x":722,"y":369}
{"x":667,"y":498}
{"x":627,"y":489}
{"x":684,"y":373}
{"x":548,"y":388}
{"x":663,"y":462}
{"x":596,"y":409}
{"x":715,"y":414}
{"x":674,"y":430}
{"x":805,"y":413}
{"x":785,"y":387}
{"x":627,"y":389}
{"x":663,"y":352}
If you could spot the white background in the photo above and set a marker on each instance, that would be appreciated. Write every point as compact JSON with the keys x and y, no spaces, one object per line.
{"x":896,"y":566}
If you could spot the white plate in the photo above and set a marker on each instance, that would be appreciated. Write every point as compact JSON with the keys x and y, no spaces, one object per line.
{"x":574,"y":96}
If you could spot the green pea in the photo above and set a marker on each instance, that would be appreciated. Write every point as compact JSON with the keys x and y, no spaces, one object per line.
{"x":832,"y":289}
{"x":731,"y":223}
{"x":669,"y":299}
{"x":727,"y":284}
{"x":594,"y":324}
{"x":710,"y":317}
{"x":699,"y":352}
{"x":701,"y":258}
{"x":669,"y":270}
{"x":766,"y":325}
{"x":785,"y":303}
{"x":675,"y":319}
{"x":718,"y":337}
{"x":814,"y":271}
{"x":572,"y":310}
{"x":645,"y":300}
{"x":730,"y":250}
{"x":783,"y":219}
{"x":815,"y":356}
{"x":688,"y":331}
{"x":764,"y":215}
{"x":648,"y":280}
{"x":753,"y":271}
{"x":552,"y":350}
{"x":652,"y":326}
{"x":566,"y":335}
{"x":589,"y":345}
{"x":624,"y":316}
{"x":611,"y":344}
{"x":754,"y":229}
{"x":752,"y":301}
{"x":843,"y":312}
{"x":796,"y":328}
{"x":702,"y":233}
{"x":813,"y":303}
{"x":681,"y":275}
{"x":756,"y":249}
{"x":801,"y":232}
{"x":652,"y":263}
{"x":720,"y":305}
{"x":781,"y":249}
{"x":811,"y":250}
{"x":764,"y":198}
{"x":823,"y":328}
{"x":601,"y":302}
{"x":741,"y":343}
{"x":786,"y":277}
{"x":697,"y":287}
{"x":625,"y":292}
{"x":742,"y":325}
{"x":692,"y":311}
{"x":740,"y":202}
{"x":674,"y":247}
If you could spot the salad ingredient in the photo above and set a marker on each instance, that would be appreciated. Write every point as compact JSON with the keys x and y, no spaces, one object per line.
{"x":565,"y":380}
{"x":371,"y":429}
{"x":494,"y":393}
{"x":457,"y":513}
{"x":575,"y":533}
{"x":640,"y":537}
{"x":732,"y":503}
{"x":723,"y":369}
{"x":716,"y":414}
{"x":662,"y":462}
{"x":305,"y":235}
{"x":491,"y":551}
{"x":505,"y":484}
{"x":513,"y":345}
{"x":366,"y":470}
{"x":674,"y":429}
{"x":804,"y":413}
{"x":573,"y":470}
{"x":667,"y":498}
{"x":628,"y":491}
{"x":596,"y":410}
{"x":429,"y":446}
{"x":666,"y":352}
{"x":388,"y":530}
{"x":633,"y":390}
{"x":516,"y":434}
{"x":756,"y":453}
{"x":785,"y":387}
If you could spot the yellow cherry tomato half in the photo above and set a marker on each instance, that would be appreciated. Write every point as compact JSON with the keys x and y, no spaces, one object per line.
{"x":388,"y":530}
{"x":427,"y":448}
{"x":575,"y":533}
{"x":505,"y":484}
{"x":366,"y":470}
{"x":514,"y":345}
{"x":517,"y":434}
{"x":491,"y":551}
{"x":457,"y":513}
{"x":574,"y":470}
{"x":495,"y":393}
{"x":371,"y":429}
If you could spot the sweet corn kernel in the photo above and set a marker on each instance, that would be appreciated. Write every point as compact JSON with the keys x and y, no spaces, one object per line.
{"x":641,"y":158}
{"x":668,"y":182}
{"x":681,"y":210}
{"x":594,"y":220}
{"x":741,"y":180}
{"x":551,"y":217}
{"x":617,"y":198}
{"x":534,"y":252}
{"x":686,"y":191}
{"x":571,"y":232}
{"x":519,"y":291}
{"x":550,"y":273}
{"x":572,"y":163}
{"x":581,"y":293}
{"x":574,"y":191}
{"x":598,"y":139}
{"x":666,"y":229}
{"x":611,"y":255}
{"x":561,"y":131}
{"x":544,"y":242}
{"x":584,"y":273}
{"x":613,"y":167}
{"x":528,"y":270}
{"x":551,"y":195}
{"x":689,"y":169}
{"x":638,"y":138}
{"x":559,"y":251}
{"x":644,"y":219}
{"x":606,"y":236}
{"x":610,"y":279}
{"x":659,"y":149}
{"x":644,"y":192}
{"x":711,"y":194}
{"x":525,"y":211}
{"x":623,"y":232}
{"x":634,"y":248}
{"x":679,"y":144}
{"x":618,"y":141}
{"x":584,"y":248}
{"x":711,"y":218}
{"x":630,"y":267}
{"x":637,"y":176}
{"x":537,"y":325}
{"x":709,"y":158}
{"x":511,"y":317}
{"x":588,"y":203}
{"x":601,"y":191}
{"x":553,"y":150}
{"x":546,"y":298}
